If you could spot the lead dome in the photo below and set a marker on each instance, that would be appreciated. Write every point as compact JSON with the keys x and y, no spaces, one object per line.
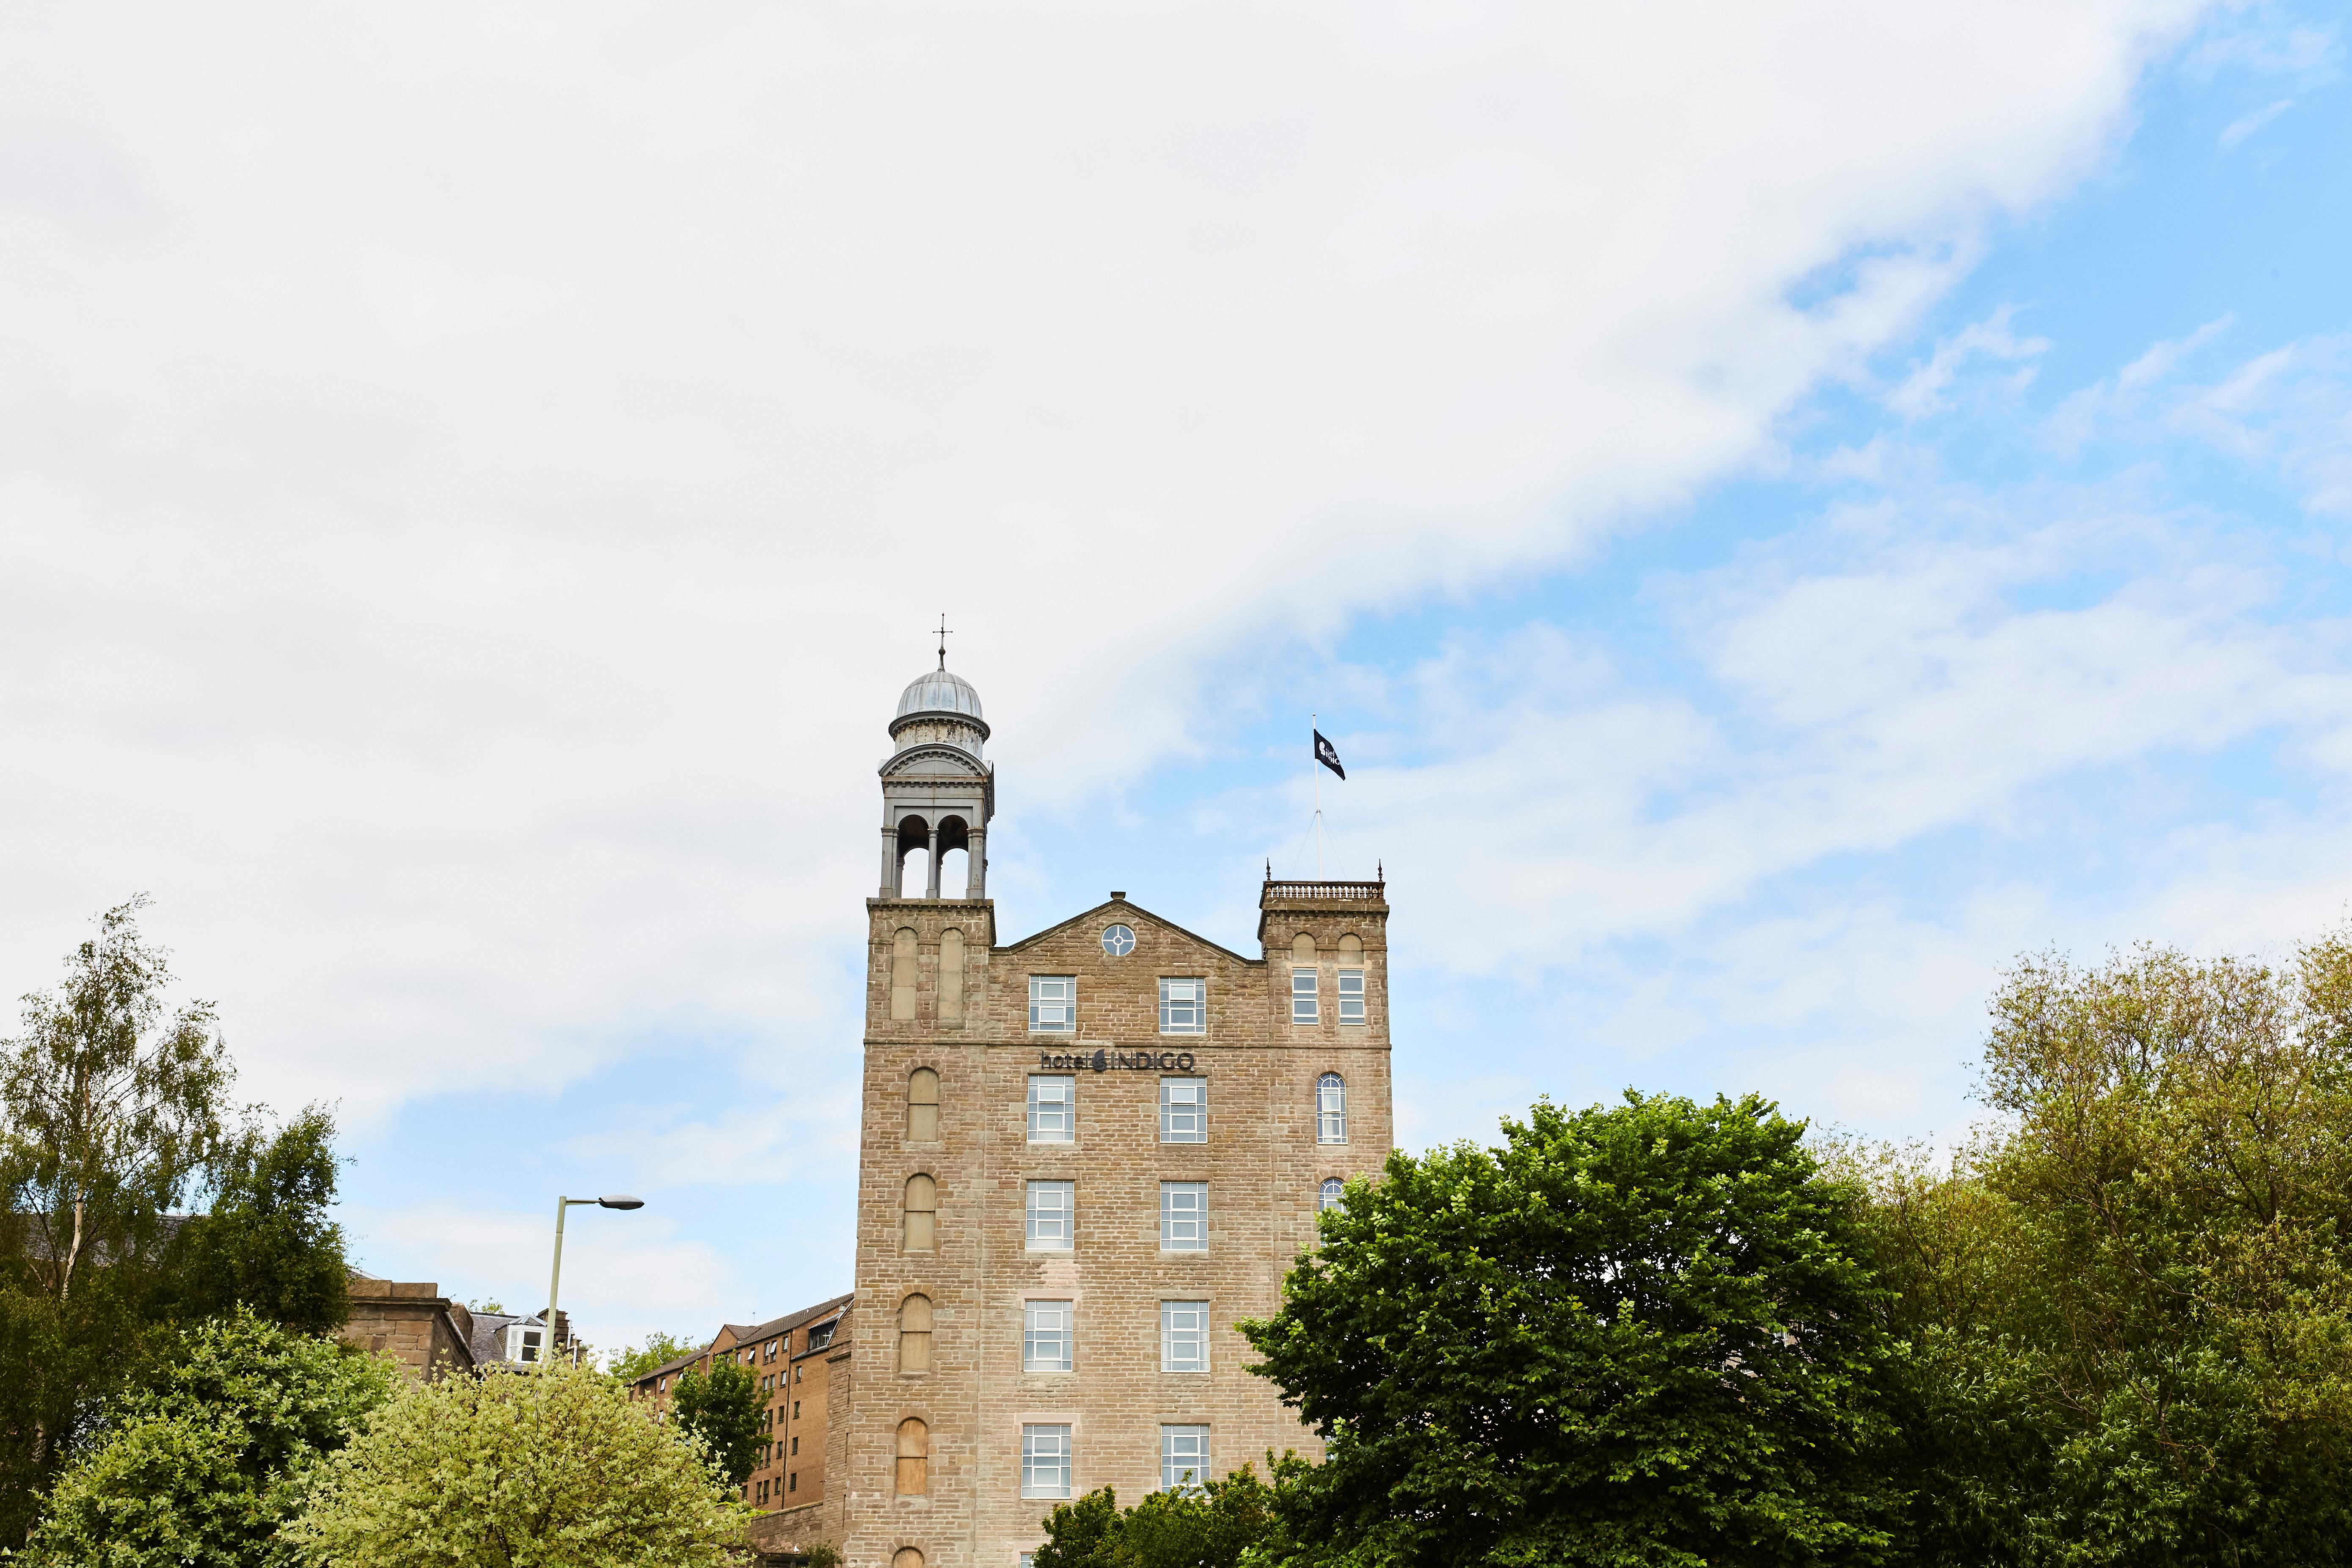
{"x":938,"y":691}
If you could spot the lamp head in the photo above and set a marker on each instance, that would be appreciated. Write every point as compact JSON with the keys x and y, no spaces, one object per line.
{"x":620,"y":1201}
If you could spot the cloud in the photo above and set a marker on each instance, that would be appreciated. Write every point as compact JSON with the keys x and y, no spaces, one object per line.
{"x":473,"y":481}
{"x":1922,"y":392}
{"x":1866,"y":692}
{"x":2245,"y":125}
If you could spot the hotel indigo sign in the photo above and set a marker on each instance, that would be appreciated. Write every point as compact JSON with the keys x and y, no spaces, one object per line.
{"x":1107,"y":1061}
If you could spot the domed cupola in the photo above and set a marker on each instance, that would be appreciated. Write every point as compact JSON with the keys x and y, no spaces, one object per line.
{"x":941,"y":708}
{"x":938,"y":789}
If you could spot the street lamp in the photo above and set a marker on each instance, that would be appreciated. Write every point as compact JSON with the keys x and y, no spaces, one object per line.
{"x":614,"y":1201}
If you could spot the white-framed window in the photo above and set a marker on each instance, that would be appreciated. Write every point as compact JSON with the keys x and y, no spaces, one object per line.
{"x":1045,"y":1335}
{"x":1331,"y":1109}
{"x":1045,"y":1461}
{"x":1053,"y":1108}
{"x":1183,"y":1457}
{"x":1352,"y":996}
{"x":1183,"y":1007}
{"x":523,"y":1342}
{"x":1303,"y":1009}
{"x":1052,"y":1215}
{"x":1183,"y":1336}
{"x":1053,"y":1003}
{"x":1118,"y":940}
{"x":1334,"y":1193}
{"x":1183,"y":1217}
{"x":1183,"y":1111}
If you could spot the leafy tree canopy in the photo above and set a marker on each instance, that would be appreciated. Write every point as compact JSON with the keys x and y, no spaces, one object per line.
{"x":1632,"y":1335}
{"x":2132,"y":1299}
{"x":205,"y":1462}
{"x":111,"y":1111}
{"x":554,"y":1468}
{"x":1208,"y":1527}
{"x":268,"y":1242}
{"x":658,"y":1349}
{"x":723,"y":1407}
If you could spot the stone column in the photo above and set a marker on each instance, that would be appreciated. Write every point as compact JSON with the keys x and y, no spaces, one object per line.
{"x":932,"y":891}
{"x":975,"y":859}
{"x":890,"y":867}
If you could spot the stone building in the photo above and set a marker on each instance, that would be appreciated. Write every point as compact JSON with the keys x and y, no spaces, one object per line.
{"x":426,"y":1332}
{"x":801,"y":1361}
{"x":1084,"y":1154}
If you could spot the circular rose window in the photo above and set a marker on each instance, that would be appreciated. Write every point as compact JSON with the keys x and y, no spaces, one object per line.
{"x":1118,"y":941}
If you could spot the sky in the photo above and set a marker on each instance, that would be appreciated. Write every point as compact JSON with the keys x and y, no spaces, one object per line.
{"x":1782,"y":510}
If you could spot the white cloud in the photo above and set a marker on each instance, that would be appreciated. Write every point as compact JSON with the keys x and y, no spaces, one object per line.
{"x":2245,"y":125}
{"x":1922,"y":392}
{"x":471,"y":480}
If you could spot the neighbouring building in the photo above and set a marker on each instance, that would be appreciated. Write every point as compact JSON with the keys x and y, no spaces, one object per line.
{"x":798,"y":1359}
{"x":426,"y":1332}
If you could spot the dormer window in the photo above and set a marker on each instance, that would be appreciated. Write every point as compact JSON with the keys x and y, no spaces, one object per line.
{"x":821,"y":1336}
{"x":523,"y":1343}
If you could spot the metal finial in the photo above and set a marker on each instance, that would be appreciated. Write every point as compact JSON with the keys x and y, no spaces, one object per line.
{"x":943,"y":640}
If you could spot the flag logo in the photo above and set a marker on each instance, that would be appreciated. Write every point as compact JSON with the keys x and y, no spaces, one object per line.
{"x":1327,"y":754}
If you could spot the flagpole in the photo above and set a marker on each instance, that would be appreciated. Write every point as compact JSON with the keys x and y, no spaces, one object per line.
{"x":1315,"y":767}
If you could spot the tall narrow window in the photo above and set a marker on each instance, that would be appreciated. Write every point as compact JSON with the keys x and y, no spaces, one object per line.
{"x":1183,"y":1457}
{"x":1052,"y":1215}
{"x":922,"y":1210}
{"x":1183,"y":1336}
{"x":1183,"y":1111}
{"x":902,"y":974}
{"x":1183,"y":1217}
{"x":923,"y":1106}
{"x":1053,"y":1108}
{"x":915,"y":1334}
{"x":1331,"y":1109}
{"x":1334,"y":1193}
{"x":1045,"y":1461}
{"x":914,"y":1458}
{"x":1352,"y":996}
{"x":1045,"y":1336}
{"x":1053,"y":1003}
{"x":1183,"y":1007}
{"x":1303,"y":999}
{"x":952,"y":976}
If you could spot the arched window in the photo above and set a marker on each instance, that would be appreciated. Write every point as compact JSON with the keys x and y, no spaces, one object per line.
{"x":1334,"y":1191}
{"x":915,"y":1334}
{"x":1331,"y":1109}
{"x":906,"y":1557}
{"x":922,"y":1106}
{"x":914,"y":1462}
{"x":950,"y":976}
{"x":922,"y":1215}
{"x":902,"y":974}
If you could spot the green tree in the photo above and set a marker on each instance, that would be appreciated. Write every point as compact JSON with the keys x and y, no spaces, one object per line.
{"x":555,"y":1467}
{"x":204,"y":1463}
{"x":658,"y":1349}
{"x":109,"y":1111}
{"x":268,"y":1242}
{"x":2132,"y":1298}
{"x":723,"y":1407}
{"x":1210,"y":1526}
{"x":1632,"y":1335}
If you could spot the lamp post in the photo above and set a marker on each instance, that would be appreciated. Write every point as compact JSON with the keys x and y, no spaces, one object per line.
{"x":555,"y":1278}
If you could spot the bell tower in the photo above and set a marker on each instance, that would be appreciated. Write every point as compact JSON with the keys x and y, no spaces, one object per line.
{"x":938,"y":788}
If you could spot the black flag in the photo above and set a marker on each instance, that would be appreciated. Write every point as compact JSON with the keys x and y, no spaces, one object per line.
{"x":1329,"y":755}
